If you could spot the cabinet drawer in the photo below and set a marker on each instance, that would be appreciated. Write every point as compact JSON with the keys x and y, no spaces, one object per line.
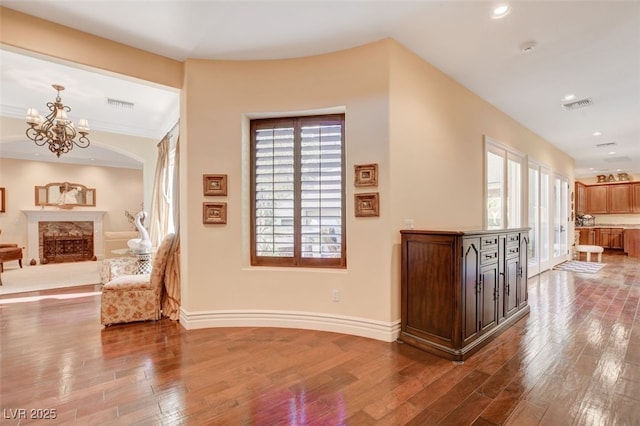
{"x":489,"y":242}
{"x":513,"y":239}
{"x":513,"y":251}
{"x":488,"y":257}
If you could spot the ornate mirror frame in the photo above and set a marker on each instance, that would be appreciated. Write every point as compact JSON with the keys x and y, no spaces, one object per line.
{"x":65,"y":195}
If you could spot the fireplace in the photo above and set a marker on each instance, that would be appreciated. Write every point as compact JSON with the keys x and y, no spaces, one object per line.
{"x":64,"y":235}
{"x":65,"y":241}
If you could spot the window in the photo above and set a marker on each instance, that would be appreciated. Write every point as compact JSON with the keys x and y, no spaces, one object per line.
{"x":503,"y":186}
{"x":297,"y":199}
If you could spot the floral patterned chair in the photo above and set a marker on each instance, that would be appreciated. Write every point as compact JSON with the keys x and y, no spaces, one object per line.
{"x":116,"y":266}
{"x":129,"y":298}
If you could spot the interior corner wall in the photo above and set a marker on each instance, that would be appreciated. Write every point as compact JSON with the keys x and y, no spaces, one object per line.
{"x":437,"y":145}
{"x":117,"y":190}
{"x":437,"y":130}
{"x":223,"y":288}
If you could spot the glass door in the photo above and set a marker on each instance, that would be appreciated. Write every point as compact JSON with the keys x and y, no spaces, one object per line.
{"x":560,"y":218}
{"x":539,"y":218}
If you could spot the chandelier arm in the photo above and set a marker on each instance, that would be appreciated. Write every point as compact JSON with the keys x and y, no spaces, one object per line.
{"x":83,"y":141}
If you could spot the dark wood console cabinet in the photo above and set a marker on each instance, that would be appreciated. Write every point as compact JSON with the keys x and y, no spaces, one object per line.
{"x":459,"y":288}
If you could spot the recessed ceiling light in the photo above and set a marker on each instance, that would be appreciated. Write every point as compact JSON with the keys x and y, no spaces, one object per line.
{"x":591,"y":168}
{"x":597,"y":134}
{"x":527,"y":47}
{"x":569,"y":97}
{"x":501,"y":11}
{"x":612,"y":153}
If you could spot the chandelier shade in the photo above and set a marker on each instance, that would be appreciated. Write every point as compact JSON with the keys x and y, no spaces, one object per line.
{"x":56,"y":130}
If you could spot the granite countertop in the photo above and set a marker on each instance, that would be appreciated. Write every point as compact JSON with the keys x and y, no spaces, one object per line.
{"x":625,"y":226}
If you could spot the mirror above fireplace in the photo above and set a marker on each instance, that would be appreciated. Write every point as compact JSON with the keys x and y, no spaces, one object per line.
{"x":65,"y":195}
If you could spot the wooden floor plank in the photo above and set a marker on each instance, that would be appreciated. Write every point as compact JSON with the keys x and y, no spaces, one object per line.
{"x":575,"y":359}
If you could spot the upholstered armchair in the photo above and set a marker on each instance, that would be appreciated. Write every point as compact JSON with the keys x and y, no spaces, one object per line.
{"x":9,"y":252}
{"x":116,"y":266}
{"x":129,"y":298}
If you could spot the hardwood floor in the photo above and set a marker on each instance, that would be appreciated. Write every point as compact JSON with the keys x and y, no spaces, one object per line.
{"x":574,"y":360}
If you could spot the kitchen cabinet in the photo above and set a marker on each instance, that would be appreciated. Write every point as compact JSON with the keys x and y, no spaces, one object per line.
{"x":632,"y":242}
{"x":459,"y":288}
{"x":609,"y":238}
{"x":587,"y":236}
{"x":581,"y":198}
{"x":619,"y":198}
{"x":612,"y":198}
{"x":635,"y":198}
{"x":597,"y":199}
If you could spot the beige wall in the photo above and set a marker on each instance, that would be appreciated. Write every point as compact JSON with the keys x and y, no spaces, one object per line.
{"x":219,"y":99}
{"x":436,"y":151}
{"x":117,"y":190}
{"x":43,"y":37}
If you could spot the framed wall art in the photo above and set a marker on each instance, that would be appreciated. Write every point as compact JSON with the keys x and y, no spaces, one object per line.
{"x":367,"y":205}
{"x":214,"y":185}
{"x":3,"y":207}
{"x":215,"y":213}
{"x":366,"y":174}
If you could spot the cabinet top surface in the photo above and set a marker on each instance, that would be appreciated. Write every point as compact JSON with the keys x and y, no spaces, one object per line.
{"x":463,"y":231}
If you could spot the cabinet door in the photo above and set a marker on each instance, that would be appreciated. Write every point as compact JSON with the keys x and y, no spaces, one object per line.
{"x":523,"y":271}
{"x":597,"y":199}
{"x":617,"y":239}
{"x":581,"y":198}
{"x":604,"y":237}
{"x":635,"y":198}
{"x":619,"y":198}
{"x":489,"y":295}
{"x":470,"y":288}
{"x":510,"y":292}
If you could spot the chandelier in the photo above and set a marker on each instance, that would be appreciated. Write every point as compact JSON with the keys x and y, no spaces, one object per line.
{"x":55,"y":129}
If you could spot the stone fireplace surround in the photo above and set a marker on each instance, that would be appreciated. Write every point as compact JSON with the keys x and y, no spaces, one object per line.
{"x":34,"y":217}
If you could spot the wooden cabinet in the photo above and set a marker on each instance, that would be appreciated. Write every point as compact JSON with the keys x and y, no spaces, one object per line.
{"x":609,"y":238}
{"x":587,"y":236}
{"x":632,"y":242}
{"x":619,"y":198}
{"x":635,"y":198}
{"x":460,"y":288}
{"x":597,"y":199}
{"x":613,"y":198}
{"x":617,"y":239}
{"x":581,"y":199}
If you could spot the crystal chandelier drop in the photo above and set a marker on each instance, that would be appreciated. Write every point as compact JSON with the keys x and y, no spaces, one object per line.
{"x":55,"y":129}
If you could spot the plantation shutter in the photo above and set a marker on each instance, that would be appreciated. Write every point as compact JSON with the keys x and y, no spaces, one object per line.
{"x":298,"y":192}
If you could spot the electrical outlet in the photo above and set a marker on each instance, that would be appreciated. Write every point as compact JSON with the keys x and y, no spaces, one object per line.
{"x":409,"y":224}
{"x":335,"y":295}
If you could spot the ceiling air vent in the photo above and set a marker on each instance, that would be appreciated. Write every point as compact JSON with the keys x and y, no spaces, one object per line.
{"x":577,"y":104}
{"x":617,"y":159}
{"x":606,"y":145}
{"x":116,"y":103}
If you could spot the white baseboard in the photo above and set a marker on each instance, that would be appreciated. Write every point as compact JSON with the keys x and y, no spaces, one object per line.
{"x":373,"y":329}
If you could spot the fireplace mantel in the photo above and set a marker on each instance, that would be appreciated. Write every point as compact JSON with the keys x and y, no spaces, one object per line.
{"x":35,"y":216}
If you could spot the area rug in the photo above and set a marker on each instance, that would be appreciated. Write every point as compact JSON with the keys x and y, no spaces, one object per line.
{"x":44,"y":277}
{"x":580,"y":266}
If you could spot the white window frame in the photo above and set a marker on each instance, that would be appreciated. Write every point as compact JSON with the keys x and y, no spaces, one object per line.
{"x":507,"y":154}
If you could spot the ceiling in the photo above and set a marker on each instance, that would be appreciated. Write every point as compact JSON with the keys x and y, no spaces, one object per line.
{"x":590,"y":49}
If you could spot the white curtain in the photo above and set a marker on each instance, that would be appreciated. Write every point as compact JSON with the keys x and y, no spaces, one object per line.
{"x":161,"y":198}
{"x":171,"y":295}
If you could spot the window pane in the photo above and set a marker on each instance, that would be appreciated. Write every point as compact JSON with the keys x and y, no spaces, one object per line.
{"x":274,"y":192}
{"x":321,"y":191}
{"x":495,"y":189}
{"x":514,"y":199}
{"x":545,"y":215}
